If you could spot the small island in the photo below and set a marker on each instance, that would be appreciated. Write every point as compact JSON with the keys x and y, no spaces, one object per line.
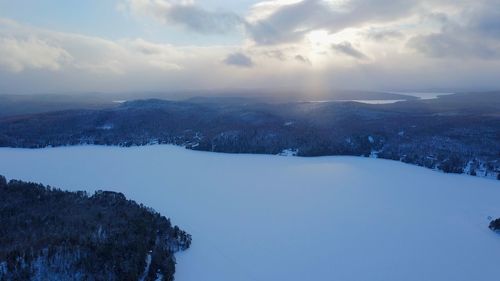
{"x":51,"y":234}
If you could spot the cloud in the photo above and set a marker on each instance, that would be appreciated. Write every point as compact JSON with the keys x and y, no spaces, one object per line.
{"x":449,"y":44}
{"x":384,"y":35}
{"x":302,"y":59}
{"x":347,"y":49}
{"x":409,"y":44}
{"x":279,"y":22}
{"x":161,"y":56}
{"x":272,"y":22}
{"x":475,"y":33}
{"x":24,"y":47}
{"x":185,"y":14}
{"x":275,"y":54}
{"x":40,"y":60}
{"x":289,"y":22}
{"x":239,"y":59}
{"x":31,"y":53}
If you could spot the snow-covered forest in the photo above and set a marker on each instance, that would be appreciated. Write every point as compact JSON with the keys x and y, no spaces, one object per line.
{"x":454,"y":133}
{"x":51,"y":234}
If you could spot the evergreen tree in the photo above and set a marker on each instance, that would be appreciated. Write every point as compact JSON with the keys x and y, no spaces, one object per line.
{"x":495,"y":225}
{"x":74,"y":236}
{"x":3,"y":181}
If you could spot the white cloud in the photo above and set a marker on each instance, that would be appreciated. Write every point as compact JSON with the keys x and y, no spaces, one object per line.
{"x":25,"y":47}
{"x":371,"y":44}
{"x":31,"y":53}
{"x":265,"y":9}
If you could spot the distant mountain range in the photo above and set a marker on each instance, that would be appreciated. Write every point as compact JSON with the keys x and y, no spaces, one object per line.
{"x":41,"y":103}
{"x":456,"y":133}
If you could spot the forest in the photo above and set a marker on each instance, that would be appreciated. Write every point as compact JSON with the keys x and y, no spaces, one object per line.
{"x":51,"y":234}
{"x":455,"y":134}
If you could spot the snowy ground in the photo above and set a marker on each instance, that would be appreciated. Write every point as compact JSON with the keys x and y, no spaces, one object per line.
{"x":271,"y":218}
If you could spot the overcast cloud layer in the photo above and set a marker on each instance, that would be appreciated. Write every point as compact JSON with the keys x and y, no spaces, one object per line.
{"x":313,"y":45}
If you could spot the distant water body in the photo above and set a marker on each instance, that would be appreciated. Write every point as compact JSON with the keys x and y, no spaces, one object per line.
{"x":377,"y":101}
{"x":423,"y":95}
{"x":360,"y":101}
{"x":420,"y":95}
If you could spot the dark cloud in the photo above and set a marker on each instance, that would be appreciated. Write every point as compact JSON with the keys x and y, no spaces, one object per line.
{"x":201,"y":20}
{"x":188,"y":15}
{"x":239,"y":59}
{"x":484,"y":19}
{"x":472,"y":36}
{"x":384,"y":35}
{"x":450,"y":44}
{"x":302,"y":59}
{"x":347,"y":49}
{"x":291,"y":22}
{"x":288,"y":23}
{"x":477,"y":35}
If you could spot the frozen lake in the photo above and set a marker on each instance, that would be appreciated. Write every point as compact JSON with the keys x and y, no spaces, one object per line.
{"x":270,"y":218}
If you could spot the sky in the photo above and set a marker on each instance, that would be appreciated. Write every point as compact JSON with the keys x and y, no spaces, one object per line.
{"x":70,"y":46}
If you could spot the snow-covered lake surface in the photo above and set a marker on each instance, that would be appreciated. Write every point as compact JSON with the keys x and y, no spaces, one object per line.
{"x":271,"y":218}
